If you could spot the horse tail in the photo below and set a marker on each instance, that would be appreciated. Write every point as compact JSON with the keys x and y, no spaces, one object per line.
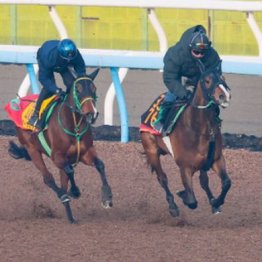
{"x":18,"y":152}
{"x":210,"y":156}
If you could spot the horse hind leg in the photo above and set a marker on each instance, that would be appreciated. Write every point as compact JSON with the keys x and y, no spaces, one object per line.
{"x":106,"y":190}
{"x":154,"y":161}
{"x":152,"y":151}
{"x":163,"y":181}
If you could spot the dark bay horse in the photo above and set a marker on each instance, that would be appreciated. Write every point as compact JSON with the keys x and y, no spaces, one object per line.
{"x":195,"y":143}
{"x":68,"y":140}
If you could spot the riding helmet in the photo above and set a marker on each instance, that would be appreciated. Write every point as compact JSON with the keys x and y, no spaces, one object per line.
{"x":200,"y":41}
{"x":67,"y":49}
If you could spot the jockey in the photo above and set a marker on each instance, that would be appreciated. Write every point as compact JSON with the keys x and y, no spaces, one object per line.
{"x":56,"y":56}
{"x":181,"y":61}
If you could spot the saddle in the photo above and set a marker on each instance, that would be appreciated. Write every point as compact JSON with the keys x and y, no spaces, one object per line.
{"x":151,"y":114}
{"x":21,"y":109}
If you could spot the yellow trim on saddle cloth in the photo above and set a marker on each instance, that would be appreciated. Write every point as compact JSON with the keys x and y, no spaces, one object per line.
{"x":28,"y":111}
{"x":26,"y":114}
{"x":151,"y":114}
{"x":45,"y":103}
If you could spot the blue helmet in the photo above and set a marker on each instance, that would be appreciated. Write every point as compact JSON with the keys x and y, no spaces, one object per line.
{"x":67,"y":49}
{"x":200,"y":41}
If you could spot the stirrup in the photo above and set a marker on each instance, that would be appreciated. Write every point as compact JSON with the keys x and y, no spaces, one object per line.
{"x":158,"y":126}
{"x":35,"y":122}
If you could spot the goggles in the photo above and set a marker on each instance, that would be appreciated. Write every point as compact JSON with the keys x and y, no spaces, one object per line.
{"x":201,"y":46}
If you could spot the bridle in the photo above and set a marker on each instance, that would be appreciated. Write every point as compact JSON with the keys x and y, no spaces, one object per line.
{"x":78,"y":104}
{"x":77,"y":133}
{"x":214,"y":74}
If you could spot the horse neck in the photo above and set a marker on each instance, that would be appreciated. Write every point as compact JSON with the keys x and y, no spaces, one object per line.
{"x":198,"y":117}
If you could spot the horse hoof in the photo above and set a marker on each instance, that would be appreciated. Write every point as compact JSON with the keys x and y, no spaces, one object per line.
{"x":182,"y":195}
{"x":65,"y":198}
{"x":192,"y":205}
{"x":174,"y":212}
{"x":107,"y":204}
{"x":75,"y":193}
{"x":72,"y":221}
{"x":216,"y":211}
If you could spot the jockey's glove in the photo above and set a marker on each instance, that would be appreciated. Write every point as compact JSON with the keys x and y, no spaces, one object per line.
{"x":190,"y":89}
{"x":58,"y":90}
{"x":60,"y":93}
{"x":181,"y":93}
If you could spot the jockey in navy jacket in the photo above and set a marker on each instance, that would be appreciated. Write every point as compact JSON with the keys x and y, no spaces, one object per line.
{"x":50,"y":61}
{"x":56,"y":56}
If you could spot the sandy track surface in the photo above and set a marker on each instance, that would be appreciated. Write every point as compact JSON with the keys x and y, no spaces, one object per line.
{"x":138,"y":228}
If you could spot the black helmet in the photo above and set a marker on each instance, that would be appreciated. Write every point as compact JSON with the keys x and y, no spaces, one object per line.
{"x":200,"y":42}
{"x":67,"y":49}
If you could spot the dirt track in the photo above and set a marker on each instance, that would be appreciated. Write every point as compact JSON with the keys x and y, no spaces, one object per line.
{"x":138,"y":228}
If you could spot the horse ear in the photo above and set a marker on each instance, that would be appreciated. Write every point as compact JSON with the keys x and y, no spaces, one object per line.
{"x":94,"y":74}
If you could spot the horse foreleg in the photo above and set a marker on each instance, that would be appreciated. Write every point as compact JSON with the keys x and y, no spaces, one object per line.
{"x":220,"y":168}
{"x":67,"y":173}
{"x":204,"y":182}
{"x":187,"y":195}
{"x":106,"y":190}
{"x":65,"y":199}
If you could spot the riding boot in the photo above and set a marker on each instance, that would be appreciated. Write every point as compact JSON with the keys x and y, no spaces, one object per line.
{"x":160,"y":123}
{"x":34,"y":121}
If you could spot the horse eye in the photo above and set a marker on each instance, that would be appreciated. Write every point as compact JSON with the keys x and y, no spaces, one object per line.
{"x":79,"y":89}
{"x":208,"y":82}
{"x":93,"y":88}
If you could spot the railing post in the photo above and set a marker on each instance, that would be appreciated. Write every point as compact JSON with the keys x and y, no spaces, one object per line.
{"x":32,"y":77}
{"x":121,"y":104}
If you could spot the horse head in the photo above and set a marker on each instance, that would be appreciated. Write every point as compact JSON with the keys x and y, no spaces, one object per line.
{"x":213,"y":86}
{"x":84,"y":96}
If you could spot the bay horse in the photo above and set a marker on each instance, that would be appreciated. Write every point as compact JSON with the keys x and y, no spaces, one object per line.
{"x":69,"y":140}
{"x":195,"y":143}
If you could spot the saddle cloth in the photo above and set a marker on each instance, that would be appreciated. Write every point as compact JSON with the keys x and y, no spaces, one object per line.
{"x":20,"y":110}
{"x":151,"y":114}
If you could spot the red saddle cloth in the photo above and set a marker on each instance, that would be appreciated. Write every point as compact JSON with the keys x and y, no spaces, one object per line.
{"x":20,"y":110}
